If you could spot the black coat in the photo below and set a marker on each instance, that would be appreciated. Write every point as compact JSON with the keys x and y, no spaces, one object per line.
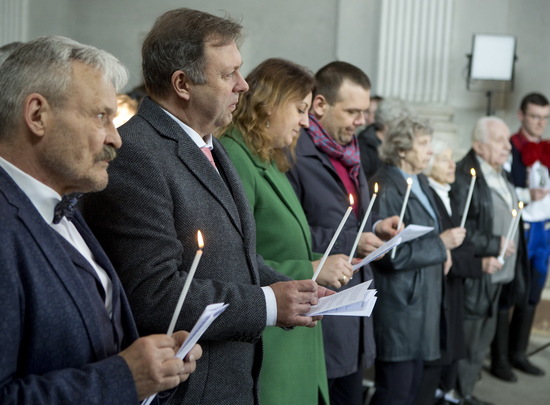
{"x":465,"y":265}
{"x":479,"y":224}
{"x":325,"y":200}
{"x":368,"y":147}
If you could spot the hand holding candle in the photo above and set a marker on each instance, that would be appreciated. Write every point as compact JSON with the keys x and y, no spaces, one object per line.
{"x":508,"y":236}
{"x":511,"y":230}
{"x":331,"y":244}
{"x":469,"y":198}
{"x":362,"y":227}
{"x":520,"y":209}
{"x":403,"y":208}
{"x":187,"y":284}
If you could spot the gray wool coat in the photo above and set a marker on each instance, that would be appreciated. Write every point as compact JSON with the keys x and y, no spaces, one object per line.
{"x":162,"y":189}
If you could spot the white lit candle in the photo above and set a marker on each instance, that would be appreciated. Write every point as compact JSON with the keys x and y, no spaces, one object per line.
{"x":512,"y":231}
{"x":187,"y":284}
{"x":520,"y":209}
{"x":508,"y":235}
{"x":403,"y":208}
{"x":369,"y":208}
{"x":469,"y":198}
{"x":331,"y":244}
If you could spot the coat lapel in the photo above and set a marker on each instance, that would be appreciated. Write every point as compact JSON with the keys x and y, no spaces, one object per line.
{"x":60,"y":262}
{"x":193,"y":158}
{"x":280,"y":185}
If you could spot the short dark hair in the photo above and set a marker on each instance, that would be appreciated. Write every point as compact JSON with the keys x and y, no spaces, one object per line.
{"x":329,"y":79}
{"x":177,"y":42}
{"x":533,"y":98}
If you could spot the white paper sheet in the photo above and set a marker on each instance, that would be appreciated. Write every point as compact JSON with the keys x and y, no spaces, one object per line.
{"x":209,"y":315}
{"x":409,"y":233}
{"x":355,"y":301}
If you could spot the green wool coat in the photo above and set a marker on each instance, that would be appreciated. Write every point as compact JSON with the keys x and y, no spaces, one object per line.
{"x":293,"y":369}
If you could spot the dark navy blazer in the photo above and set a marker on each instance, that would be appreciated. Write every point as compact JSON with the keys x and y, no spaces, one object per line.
{"x":57,"y":342}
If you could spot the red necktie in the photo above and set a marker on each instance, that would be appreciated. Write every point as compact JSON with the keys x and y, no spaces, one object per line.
{"x":208,"y":153}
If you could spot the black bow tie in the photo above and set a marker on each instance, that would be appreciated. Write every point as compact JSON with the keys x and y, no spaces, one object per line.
{"x":66,"y":207}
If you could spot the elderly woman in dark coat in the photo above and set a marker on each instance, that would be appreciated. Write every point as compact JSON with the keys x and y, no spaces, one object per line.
{"x":442,"y":373}
{"x":407,"y":313}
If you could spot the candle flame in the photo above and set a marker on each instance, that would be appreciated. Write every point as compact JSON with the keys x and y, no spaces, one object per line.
{"x":375,"y":188}
{"x":199,"y":239}
{"x":520,"y":205}
{"x":409,"y":181}
{"x":350,"y":200}
{"x":473,"y":172}
{"x":514,"y":213}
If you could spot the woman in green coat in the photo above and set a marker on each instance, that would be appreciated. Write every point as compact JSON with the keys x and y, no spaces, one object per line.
{"x":260,"y":142}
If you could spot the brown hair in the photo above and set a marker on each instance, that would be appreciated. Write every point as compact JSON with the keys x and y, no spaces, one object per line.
{"x":271,"y":84}
{"x":177,"y":42}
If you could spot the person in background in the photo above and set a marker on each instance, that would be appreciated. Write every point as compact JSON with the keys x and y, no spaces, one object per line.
{"x":370,"y":114}
{"x":126,"y":109}
{"x":369,"y":139}
{"x":326,"y":172}
{"x":408,"y":310}
{"x":171,"y":179}
{"x":530,"y":175}
{"x":488,"y":299}
{"x":439,"y":377}
{"x":67,"y":333}
{"x":260,"y":142}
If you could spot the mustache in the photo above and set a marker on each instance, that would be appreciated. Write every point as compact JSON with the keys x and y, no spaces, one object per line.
{"x":107,"y":154}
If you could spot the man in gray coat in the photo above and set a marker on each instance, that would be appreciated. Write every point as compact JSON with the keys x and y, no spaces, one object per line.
{"x":172,"y":179}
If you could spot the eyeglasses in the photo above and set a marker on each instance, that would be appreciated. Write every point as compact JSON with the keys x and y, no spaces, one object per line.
{"x":537,"y":117}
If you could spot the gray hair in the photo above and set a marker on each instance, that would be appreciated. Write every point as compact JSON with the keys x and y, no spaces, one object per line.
{"x":439,"y":145}
{"x":482,"y":128}
{"x":177,"y":42}
{"x":44,"y":66}
{"x":6,"y":50}
{"x":400,"y":138}
{"x":390,"y":109}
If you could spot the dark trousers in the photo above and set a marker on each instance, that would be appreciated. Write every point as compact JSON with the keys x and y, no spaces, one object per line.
{"x":397,"y":383}
{"x":347,"y":390}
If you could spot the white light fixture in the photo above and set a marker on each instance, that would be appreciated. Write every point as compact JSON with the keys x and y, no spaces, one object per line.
{"x":491,"y":67}
{"x":493,"y":57}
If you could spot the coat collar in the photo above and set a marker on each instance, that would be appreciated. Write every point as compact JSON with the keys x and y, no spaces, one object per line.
{"x":395,"y":176}
{"x":278,"y":182}
{"x":306,"y":147}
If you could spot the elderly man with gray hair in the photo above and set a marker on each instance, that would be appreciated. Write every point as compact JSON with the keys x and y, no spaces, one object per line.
{"x":68,"y":335}
{"x":489,"y":298}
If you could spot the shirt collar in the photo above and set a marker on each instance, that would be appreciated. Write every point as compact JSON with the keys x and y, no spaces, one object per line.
{"x":42,"y":197}
{"x":486,"y":168}
{"x":443,"y":188}
{"x":199,"y":140}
